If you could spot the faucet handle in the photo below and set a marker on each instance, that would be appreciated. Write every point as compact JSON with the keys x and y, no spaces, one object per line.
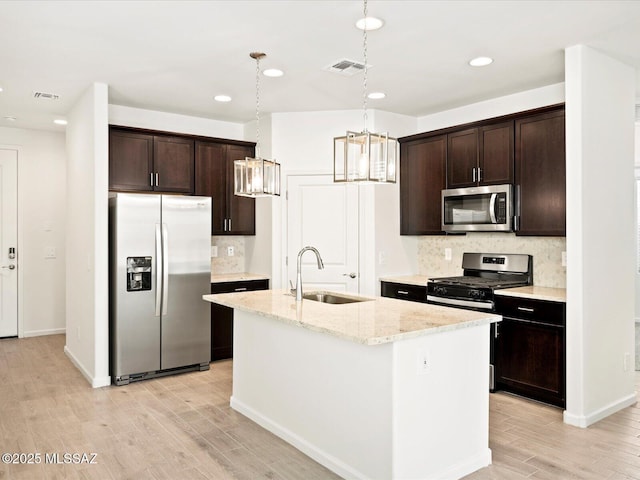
{"x":293,"y":289}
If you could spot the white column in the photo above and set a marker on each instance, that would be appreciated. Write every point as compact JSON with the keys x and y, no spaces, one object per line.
{"x":600,"y":95}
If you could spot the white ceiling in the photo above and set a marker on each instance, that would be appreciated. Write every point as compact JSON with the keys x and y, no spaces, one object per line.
{"x":174,"y":56}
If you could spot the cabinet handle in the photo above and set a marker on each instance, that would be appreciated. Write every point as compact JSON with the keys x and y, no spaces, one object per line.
{"x":496,"y":333}
{"x":473,"y":174}
{"x":240,"y":289}
{"x":229,"y":224}
{"x":157,"y":182}
{"x":151,"y":179}
{"x":479,"y":174}
{"x":526,"y":309}
{"x":403,"y":292}
{"x":224,"y":227}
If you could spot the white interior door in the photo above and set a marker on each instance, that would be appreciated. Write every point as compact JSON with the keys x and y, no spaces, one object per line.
{"x":324,"y":215}
{"x":8,"y":241}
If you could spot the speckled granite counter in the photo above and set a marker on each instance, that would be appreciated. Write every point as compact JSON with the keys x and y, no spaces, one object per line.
{"x":537,"y":293}
{"x":379,"y":320}
{"x":406,"y":383}
{"x":236,"y":277}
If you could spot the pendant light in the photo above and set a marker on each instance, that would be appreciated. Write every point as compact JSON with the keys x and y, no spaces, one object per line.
{"x":365,"y":156}
{"x":256,"y":177}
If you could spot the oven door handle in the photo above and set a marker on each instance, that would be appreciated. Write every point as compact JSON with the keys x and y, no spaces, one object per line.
{"x":492,"y":208}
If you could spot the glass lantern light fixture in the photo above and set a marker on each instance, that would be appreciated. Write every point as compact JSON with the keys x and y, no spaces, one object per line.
{"x":365,"y":156}
{"x":256,"y":177}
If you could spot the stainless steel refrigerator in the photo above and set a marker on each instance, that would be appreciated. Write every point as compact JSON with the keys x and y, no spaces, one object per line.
{"x":160,"y":266}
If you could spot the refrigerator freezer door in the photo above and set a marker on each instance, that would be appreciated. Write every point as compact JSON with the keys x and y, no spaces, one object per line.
{"x":135,"y":328}
{"x":186,"y":319}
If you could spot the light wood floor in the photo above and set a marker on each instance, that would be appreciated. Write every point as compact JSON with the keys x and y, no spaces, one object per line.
{"x":182,"y":427}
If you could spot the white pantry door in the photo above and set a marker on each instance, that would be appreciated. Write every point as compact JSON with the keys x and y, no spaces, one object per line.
{"x":8,"y":241}
{"x":324,"y":215}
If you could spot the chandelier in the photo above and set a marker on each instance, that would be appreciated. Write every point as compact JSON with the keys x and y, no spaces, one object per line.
{"x":365,"y":156}
{"x":256,"y":177}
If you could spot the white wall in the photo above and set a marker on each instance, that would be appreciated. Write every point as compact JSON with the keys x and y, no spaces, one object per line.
{"x":600,"y":245}
{"x":518,"y":102}
{"x":172,"y":122}
{"x":41,"y":220}
{"x":87,"y":340}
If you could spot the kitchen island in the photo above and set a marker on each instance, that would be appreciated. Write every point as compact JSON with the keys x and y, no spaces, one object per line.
{"x":376,"y":389}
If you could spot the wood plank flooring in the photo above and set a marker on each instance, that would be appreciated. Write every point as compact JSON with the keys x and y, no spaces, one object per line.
{"x":182,"y":427}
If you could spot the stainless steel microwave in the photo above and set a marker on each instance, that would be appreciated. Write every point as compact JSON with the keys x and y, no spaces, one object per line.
{"x":478,"y":209}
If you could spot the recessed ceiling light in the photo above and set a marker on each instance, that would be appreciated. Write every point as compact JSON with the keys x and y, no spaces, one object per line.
{"x":222,"y":98}
{"x":1,"y":89}
{"x":480,"y":61}
{"x":60,"y":121}
{"x":273,"y":72}
{"x":377,"y":95}
{"x":10,"y":119}
{"x":369,"y":23}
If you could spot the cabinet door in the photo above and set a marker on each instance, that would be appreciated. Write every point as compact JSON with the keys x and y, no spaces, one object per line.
{"x":529,"y":360}
{"x":211,"y":181}
{"x":496,"y":154}
{"x":173,"y":164}
{"x":462,"y":158}
{"x":241,"y":211}
{"x":540,"y":174}
{"x":222,"y":317}
{"x":130,"y":161}
{"x":422,"y":179}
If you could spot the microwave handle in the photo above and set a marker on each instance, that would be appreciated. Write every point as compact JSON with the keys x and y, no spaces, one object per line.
{"x":492,"y":208}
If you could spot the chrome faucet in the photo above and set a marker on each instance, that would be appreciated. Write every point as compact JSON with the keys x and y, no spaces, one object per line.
{"x":298,"y":289}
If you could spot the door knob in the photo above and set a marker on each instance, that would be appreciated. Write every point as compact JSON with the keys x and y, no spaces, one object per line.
{"x":352,"y":275}
{"x":10,"y":267}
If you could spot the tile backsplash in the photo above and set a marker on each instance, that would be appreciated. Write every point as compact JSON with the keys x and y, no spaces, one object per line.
{"x":223,"y":263}
{"x":547,"y":254}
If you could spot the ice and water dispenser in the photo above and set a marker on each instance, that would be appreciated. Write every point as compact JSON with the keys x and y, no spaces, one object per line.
{"x":138,"y":274}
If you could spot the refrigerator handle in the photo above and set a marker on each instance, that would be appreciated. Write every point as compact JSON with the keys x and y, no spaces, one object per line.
{"x":165,"y":268}
{"x":159,"y":269}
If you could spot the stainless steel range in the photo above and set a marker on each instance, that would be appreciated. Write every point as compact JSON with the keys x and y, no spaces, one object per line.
{"x":483,"y":273}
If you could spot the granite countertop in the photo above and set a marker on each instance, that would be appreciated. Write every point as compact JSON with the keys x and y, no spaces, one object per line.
{"x":379,"y":320}
{"x":236,"y":277}
{"x":536,"y":293}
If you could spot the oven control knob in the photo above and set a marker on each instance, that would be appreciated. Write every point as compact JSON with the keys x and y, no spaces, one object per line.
{"x":440,"y":290}
{"x":476,"y":294}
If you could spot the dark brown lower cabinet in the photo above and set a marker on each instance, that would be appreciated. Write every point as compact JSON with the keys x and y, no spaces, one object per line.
{"x":530,"y":349}
{"x":222,"y":317}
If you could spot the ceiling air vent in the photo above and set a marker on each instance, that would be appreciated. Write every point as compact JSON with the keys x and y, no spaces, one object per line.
{"x":48,"y":96}
{"x":346,"y":67}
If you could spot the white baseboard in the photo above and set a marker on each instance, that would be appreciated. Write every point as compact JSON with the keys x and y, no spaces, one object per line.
{"x":471,"y":465}
{"x":583,"y":421}
{"x":39,"y":333}
{"x":96,"y":382}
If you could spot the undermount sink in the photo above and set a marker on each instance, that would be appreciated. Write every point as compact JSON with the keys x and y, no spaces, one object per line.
{"x":333,"y":298}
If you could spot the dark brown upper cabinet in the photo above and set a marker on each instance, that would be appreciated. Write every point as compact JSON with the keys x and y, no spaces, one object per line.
{"x":480,"y":156}
{"x":231,"y":214}
{"x":422,"y":178}
{"x":142,"y":162}
{"x":540,"y":174}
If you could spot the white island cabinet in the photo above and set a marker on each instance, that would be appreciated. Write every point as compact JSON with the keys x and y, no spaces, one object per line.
{"x":380,"y":389}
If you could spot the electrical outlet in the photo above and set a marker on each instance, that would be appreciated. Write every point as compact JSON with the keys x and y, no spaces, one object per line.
{"x":447,"y":254}
{"x":230,"y":251}
{"x":50,"y":252}
{"x":626,"y":361}
{"x":423,"y":363}
{"x":564,"y":259}
{"x":214,"y":251}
